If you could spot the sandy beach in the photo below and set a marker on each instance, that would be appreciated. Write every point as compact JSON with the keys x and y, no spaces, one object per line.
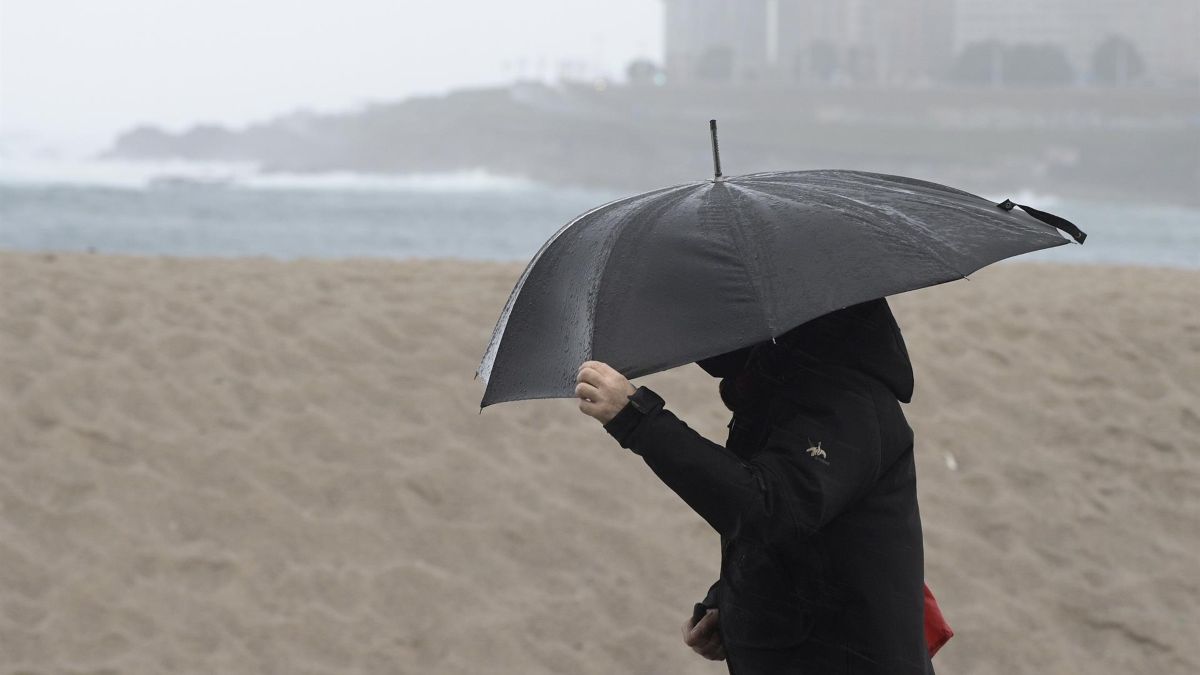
{"x":254,"y":466}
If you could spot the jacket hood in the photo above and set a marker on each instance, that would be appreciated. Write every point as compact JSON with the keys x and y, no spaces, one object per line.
{"x":864,"y":337}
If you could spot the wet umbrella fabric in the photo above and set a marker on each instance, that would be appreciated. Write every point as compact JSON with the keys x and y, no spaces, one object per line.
{"x":676,"y":275}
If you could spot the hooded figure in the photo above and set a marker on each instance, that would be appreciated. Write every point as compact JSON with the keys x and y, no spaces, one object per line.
{"x":814,"y":496}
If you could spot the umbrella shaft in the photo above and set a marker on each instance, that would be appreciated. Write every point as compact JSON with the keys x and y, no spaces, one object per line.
{"x":712,"y":127}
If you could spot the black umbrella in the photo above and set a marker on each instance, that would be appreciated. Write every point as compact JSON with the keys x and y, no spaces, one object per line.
{"x":675,"y":275}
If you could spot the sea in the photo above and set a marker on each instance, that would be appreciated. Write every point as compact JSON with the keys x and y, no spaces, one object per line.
{"x":234,"y":209}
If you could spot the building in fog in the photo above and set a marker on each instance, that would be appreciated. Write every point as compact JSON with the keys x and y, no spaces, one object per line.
{"x":715,"y":40}
{"x":1164,"y":35}
{"x":920,"y":41}
{"x":1170,"y":40}
{"x":866,"y":41}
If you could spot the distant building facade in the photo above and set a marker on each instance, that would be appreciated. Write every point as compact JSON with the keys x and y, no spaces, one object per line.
{"x":715,"y":40}
{"x":915,"y":41}
{"x":865,"y":41}
{"x":1165,"y":34}
{"x":882,"y":41}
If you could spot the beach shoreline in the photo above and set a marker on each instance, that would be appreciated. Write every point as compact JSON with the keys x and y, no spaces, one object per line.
{"x":259,"y":465}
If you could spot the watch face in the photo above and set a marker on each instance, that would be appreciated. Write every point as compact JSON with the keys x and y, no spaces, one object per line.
{"x":644,"y":400}
{"x":639,"y":401}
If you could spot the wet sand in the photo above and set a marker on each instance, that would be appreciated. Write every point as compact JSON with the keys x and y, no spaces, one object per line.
{"x":251,"y":466}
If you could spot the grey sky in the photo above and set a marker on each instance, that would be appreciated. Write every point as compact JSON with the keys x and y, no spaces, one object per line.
{"x":77,"y":71}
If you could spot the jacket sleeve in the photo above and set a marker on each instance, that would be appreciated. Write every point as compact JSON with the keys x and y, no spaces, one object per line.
{"x":712,"y":598}
{"x":710,"y":601}
{"x":713,"y":481}
{"x":822,"y":460}
{"x":784,"y":490}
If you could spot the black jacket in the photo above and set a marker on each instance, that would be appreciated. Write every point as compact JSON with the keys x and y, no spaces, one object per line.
{"x":814,"y":496}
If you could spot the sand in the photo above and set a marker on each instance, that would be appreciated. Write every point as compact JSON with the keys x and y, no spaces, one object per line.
{"x":252,"y":466}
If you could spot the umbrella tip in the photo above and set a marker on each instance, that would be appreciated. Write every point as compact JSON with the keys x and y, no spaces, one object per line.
{"x":712,"y":128}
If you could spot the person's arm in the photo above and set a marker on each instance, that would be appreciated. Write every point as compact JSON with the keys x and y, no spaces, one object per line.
{"x":711,"y":601}
{"x":784,"y":490}
{"x":716,"y":483}
{"x":712,"y":598}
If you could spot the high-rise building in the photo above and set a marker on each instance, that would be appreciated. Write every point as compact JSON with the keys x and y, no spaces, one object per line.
{"x":715,"y":40}
{"x":914,"y":41}
{"x":806,"y":40}
{"x":1171,"y":41}
{"x":893,"y":41}
{"x":1164,"y":33}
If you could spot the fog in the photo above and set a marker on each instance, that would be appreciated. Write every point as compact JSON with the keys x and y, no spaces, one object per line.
{"x":73,"y":70}
{"x":1074,"y":97}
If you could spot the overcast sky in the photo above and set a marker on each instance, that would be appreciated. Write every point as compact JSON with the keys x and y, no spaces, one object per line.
{"x":78,"y":71}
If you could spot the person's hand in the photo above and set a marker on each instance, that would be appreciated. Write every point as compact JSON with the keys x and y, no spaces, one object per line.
{"x":602,"y":391}
{"x":703,"y":637}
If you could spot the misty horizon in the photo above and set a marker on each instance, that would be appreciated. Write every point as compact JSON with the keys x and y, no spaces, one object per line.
{"x":207,"y":64}
{"x":75,"y":76}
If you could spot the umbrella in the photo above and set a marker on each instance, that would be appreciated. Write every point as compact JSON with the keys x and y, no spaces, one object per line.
{"x":671,"y":276}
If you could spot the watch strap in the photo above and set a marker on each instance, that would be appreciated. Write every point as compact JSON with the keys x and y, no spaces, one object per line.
{"x":645,"y":401}
{"x":642,"y":403}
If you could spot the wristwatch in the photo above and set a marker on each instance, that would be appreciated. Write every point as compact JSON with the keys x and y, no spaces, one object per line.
{"x":642,"y":403}
{"x":645,"y":401}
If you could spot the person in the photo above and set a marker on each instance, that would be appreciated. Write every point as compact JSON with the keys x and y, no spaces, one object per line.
{"x":813,"y":495}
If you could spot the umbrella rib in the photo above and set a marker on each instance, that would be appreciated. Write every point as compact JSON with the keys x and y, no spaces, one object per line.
{"x":602,"y":268}
{"x":891,"y":235}
{"x":885,"y":183}
{"x":956,"y":205}
{"x":493,"y":348}
{"x":736,"y":235}
{"x":929,"y":236}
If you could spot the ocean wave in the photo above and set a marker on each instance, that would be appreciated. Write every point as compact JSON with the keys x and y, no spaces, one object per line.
{"x":475,"y":180}
{"x":158,"y":174}
{"x":114,"y":173}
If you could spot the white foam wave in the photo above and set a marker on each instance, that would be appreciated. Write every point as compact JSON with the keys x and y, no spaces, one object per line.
{"x":476,"y":180}
{"x":140,"y":175}
{"x":115,"y":173}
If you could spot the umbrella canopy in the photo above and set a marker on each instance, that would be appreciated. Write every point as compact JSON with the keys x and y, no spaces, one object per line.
{"x":668,"y":277}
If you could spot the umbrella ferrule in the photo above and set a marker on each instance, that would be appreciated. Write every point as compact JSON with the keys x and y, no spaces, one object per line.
{"x":712,"y":128}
